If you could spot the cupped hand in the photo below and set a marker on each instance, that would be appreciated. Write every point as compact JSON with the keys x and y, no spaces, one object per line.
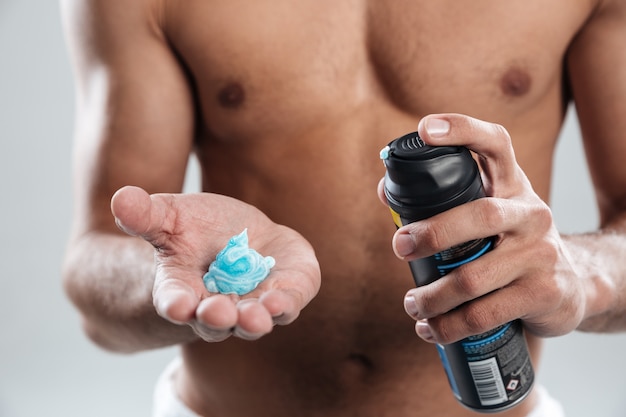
{"x":187,"y":231}
{"x":529,"y":274}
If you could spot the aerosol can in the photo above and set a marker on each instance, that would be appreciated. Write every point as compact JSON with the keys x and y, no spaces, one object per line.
{"x":489,"y":372}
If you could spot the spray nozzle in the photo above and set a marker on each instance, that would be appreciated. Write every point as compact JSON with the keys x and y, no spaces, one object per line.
{"x":384,"y":152}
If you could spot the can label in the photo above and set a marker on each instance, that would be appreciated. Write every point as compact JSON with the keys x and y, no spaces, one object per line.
{"x":396,"y":218}
{"x":461,"y":254}
{"x":491,"y":371}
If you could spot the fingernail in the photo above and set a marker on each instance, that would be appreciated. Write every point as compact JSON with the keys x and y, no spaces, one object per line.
{"x":424,"y":331}
{"x":123,"y":228}
{"x":410,"y":306}
{"x":437,"y":127}
{"x":404,"y":245}
{"x":246,"y":335}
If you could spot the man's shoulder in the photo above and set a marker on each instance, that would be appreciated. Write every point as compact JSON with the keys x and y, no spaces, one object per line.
{"x":106,"y":27}
{"x":99,"y":14}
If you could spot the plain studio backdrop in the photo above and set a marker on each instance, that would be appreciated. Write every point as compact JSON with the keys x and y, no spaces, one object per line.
{"x":48,"y":367}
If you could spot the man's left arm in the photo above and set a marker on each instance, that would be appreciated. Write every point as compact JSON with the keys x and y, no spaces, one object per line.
{"x":555,"y":283}
{"x":596,"y":65}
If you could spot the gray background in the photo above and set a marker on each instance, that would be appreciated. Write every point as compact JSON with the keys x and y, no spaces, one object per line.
{"x":47,"y":367}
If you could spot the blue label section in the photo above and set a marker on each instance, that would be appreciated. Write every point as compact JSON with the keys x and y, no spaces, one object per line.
{"x":480,"y":253}
{"x":489,"y":339}
{"x":446,"y":367}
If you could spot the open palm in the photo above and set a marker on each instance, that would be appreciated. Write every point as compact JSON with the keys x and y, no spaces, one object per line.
{"x":187,"y":231}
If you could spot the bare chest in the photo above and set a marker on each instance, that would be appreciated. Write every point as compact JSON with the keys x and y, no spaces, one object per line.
{"x":260,"y":63}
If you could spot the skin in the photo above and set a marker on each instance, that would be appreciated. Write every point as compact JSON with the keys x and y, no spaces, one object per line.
{"x":286,"y":107}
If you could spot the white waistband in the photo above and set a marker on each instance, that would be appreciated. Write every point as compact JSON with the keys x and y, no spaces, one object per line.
{"x":167,"y":404}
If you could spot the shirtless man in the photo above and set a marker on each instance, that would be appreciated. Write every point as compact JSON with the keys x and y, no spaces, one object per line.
{"x":286,"y":105}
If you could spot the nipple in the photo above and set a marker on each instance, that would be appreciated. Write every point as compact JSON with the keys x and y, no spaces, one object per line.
{"x":232,"y":96}
{"x":237,"y":269}
{"x":516,"y":82}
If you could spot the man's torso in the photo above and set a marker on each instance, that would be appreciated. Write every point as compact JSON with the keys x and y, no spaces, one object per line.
{"x":295,"y":99}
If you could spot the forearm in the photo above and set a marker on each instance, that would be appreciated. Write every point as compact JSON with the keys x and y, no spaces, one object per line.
{"x":600,"y":259}
{"x":110,"y":278}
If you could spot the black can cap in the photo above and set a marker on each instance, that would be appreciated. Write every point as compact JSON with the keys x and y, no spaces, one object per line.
{"x":423,"y":180}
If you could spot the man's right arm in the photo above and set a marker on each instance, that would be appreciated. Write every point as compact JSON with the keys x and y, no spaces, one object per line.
{"x":134,"y":125}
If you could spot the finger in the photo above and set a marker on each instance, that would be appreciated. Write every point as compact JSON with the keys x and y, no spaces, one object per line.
{"x":466,"y":283}
{"x":292,"y":284}
{"x":487,"y":139}
{"x":281,"y":306}
{"x":175,"y":301}
{"x":477,"y":219}
{"x":218,"y":312}
{"x":381,"y":192}
{"x":478,"y":317}
{"x":216,"y":317}
{"x":490,"y":141}
{"x":254,"y":321}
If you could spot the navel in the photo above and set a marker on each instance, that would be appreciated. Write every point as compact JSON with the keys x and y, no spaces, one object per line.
{"x":515,"y":82}
{"x":231,"y":96}
{"x":361,"y":360}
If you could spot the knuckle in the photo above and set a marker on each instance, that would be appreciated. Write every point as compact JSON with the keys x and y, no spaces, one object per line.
{"x":546,"y":254}
{"x":541,"y":216}
{"x":427,"y":304}
{"x":502,"y":133}
{"x":498,"y":132}
{"x":433,"y":235}
{"x":466,"y":281}
{"x":477,"y":319}
{"x":548,"y":291}
{"x":493,"y":213}
{"x":501,"y":138}
{"x":442,"y":330}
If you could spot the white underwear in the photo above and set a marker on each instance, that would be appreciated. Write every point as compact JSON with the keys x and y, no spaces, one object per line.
{"x":546,"y":405}
{"x":167,"y":404}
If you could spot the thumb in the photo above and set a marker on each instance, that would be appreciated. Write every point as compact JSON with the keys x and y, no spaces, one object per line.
{"x":136,"y":214}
